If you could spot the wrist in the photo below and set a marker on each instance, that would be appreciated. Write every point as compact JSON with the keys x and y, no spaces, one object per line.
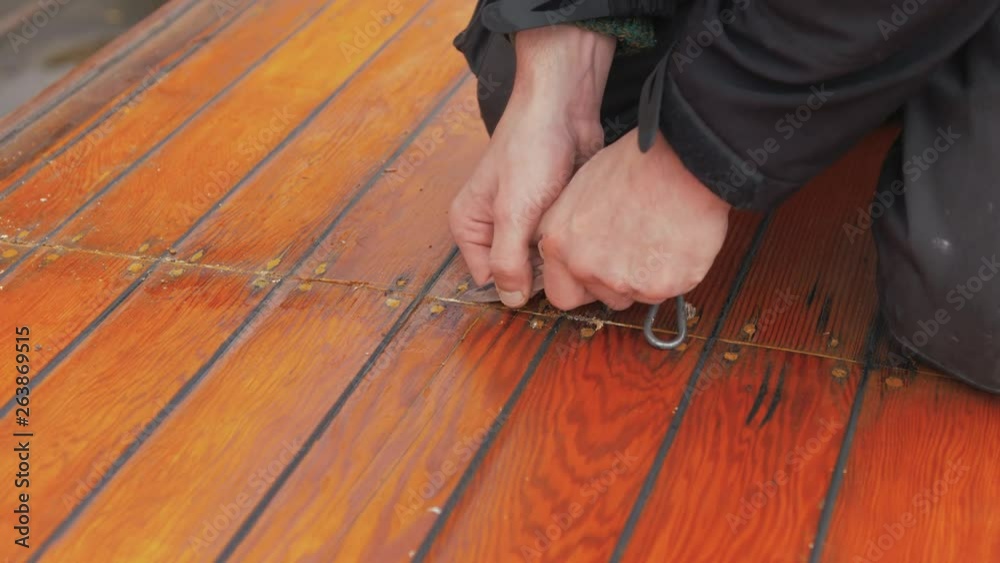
{"x":565,"y":65}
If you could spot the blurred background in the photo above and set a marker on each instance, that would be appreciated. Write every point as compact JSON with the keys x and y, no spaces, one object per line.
{"x":44,"y":39}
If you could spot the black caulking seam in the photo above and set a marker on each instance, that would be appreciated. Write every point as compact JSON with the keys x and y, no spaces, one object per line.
{"x":190,"y":385}
{"x":456,"y":495}
{"x":124,"y":52}
{"x":650,"y":482}
{"x":140,"y":89}
{"x":327,"y":420}
{"x":836,"y":481}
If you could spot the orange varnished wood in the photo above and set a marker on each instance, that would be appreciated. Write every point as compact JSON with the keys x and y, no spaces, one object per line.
{"x":121,"y":66}
{"x":163,"y":201}
{"x":251,"y":414}
{"x":406,"y":212}
{"x":440,"y":439}
{"x":557,"y":483}
{"x":76,"y":175}
{"x":93,"y":405}
{"x":459,"y":392}
{"x":278,"y":213}
{"x":922,"y":482}
{"x":57,"y":294}
{"x":746,"y":477}
{"x":812,"y":285}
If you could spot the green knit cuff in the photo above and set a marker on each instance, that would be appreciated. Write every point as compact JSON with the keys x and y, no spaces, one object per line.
{"x":634,"y":34}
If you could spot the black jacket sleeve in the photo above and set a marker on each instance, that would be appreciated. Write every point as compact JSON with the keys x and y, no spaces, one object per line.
{"x":759,"y":96}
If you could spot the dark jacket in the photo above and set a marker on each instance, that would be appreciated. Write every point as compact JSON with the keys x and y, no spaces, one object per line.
{"x":759,"y":96}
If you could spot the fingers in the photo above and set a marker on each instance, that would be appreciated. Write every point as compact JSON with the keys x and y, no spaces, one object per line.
{"x":510,"y":263}
{"x":614,"y":301}
{"x":470,"y":218}
{"x":561,"y":288}
{"x":516,"y":215}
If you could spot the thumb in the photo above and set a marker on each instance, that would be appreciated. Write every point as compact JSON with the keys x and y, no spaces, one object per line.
{"x":510,"y":255}
{"x":510,"y":264}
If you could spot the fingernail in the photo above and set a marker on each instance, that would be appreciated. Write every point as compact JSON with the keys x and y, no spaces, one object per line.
{"x":511,"y":298}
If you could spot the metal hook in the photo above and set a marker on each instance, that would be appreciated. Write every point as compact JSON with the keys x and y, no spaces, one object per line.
{"x":681,"y":326}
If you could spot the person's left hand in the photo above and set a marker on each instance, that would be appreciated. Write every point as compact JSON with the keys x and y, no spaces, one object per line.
{"x":630,"y":226}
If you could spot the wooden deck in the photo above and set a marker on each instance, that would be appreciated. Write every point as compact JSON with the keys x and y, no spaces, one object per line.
{"x":227,"y":235}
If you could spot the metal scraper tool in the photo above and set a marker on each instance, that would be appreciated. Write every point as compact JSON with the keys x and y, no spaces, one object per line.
{"x":487,"y":293}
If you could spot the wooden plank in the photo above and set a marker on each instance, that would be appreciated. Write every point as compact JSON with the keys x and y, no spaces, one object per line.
{"x":435,"y":353}
{"x":754,"y":455}
{"x":101,"y":398}
{"x":42,"y":124}
{"x":51,"y":195}
{"x":574,"y":453}
{"x":922,"y":481}
{"x":57,"y":294}
{"x":812,"y":286}
{"x":256,"y":408}
{"x":162,"y":201}
{"x":339,"y":157}
{"x":381,"y":518}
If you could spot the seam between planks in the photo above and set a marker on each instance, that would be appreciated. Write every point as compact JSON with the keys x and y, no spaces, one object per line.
{"x":68,"y":91}
{"x":202,"y":372}
{"x":271,"y":277}
{"x":123,"y":102}
{"x":836,"y":481}
{"x":43,"y":374}
{"x":134,"y":165}
{"x":258,"y":510}
{"x":654,"y":471}
{"x":494,"y":430}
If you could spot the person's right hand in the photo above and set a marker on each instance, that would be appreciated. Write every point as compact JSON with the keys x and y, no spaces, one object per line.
{"x":550,"y":127}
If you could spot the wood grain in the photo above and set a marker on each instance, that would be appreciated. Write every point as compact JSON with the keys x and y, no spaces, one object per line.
{"x":254,"y":410}
{"x":102,"y":397}
{"x":922,"y":482}
{"x":41,"y":126}
{"x":164,"y":201}
{"x":57,"y":294}
{"x":336,"y":169}
{"x":754,"y":454}
{"x":51,"y":195}
{"x":812,"y":286}
{"x":442,"y":435}
{"x":559,"y":480}
{"x":427,"y":409}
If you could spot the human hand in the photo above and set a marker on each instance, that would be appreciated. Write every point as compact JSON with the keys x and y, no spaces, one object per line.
{"x":551,"y":125}
{"x":630,"y":226}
